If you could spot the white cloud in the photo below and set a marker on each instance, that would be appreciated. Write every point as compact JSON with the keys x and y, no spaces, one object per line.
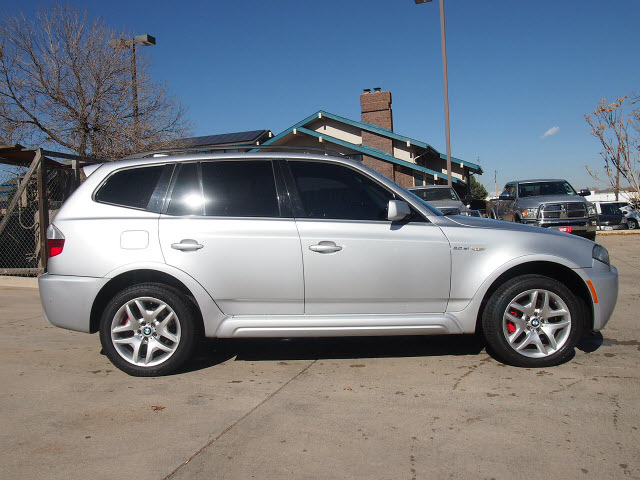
{"x":551,"y":131}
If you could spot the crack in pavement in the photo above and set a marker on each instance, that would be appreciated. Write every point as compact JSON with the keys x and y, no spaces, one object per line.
{"x":472,"y":368}
{"x":230,"y":427}
{"x":21,"y":320}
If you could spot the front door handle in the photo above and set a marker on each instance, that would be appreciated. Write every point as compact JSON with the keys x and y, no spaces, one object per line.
{"x":187,"y":245}
{"x":325,"y":247}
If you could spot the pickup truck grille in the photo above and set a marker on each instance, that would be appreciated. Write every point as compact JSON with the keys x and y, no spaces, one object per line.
{"x":556,"y":211}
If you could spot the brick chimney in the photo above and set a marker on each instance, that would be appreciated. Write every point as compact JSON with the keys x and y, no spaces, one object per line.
{"x":376,"y":108}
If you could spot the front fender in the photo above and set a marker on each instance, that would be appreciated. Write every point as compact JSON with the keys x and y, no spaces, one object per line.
{"x":466,"y":309}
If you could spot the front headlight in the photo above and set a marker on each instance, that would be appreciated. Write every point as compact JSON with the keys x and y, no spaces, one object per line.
{"x":601,"y":254}
{"x":591,"y":209}
{"x":530,"y":212}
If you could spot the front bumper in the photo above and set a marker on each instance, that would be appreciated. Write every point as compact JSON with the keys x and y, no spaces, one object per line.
{"x":67,"y":300}
{"x":579,"y":226}
{"x":605,"y":285}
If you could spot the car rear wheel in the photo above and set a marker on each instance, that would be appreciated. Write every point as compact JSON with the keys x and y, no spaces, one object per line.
{"x":632,"y":224}
{"x":532,"y":321}
{"x":148,"y":330}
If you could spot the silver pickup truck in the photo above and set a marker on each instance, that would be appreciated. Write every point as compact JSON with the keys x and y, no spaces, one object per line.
{"x":551,"y":203}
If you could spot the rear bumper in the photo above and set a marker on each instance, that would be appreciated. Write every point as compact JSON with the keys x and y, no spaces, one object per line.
{"x":620,"y":226}
{"x":67,"y":300}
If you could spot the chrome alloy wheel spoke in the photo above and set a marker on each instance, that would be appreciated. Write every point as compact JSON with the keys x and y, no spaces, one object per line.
{"x":537,"y":323}
{"x":145,"y":331}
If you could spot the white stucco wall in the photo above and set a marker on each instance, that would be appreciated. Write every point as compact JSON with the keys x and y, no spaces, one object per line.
{"x":341,"y":131}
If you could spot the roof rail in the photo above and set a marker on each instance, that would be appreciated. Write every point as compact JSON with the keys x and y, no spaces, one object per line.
{"x":249,"y":147}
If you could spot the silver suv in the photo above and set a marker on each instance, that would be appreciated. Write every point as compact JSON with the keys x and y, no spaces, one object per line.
{"x":156,"y":253}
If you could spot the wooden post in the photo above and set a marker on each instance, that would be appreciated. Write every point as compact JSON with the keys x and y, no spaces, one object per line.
{"x":43,"y":212}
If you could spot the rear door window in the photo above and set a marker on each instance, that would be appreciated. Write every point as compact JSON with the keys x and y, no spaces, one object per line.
{"x":239,"y":189}
{"x":186,"y":198}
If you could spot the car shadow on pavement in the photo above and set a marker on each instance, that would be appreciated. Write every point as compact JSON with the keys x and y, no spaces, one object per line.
{"x":590,"y":342}
{"x":216,"y":351}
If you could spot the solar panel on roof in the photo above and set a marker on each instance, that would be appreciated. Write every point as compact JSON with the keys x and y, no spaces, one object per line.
{"x":224,"y":138}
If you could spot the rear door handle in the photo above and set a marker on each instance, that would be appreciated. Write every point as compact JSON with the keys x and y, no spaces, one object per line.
{"x":325,"y":247}
{"x":187,"y":245}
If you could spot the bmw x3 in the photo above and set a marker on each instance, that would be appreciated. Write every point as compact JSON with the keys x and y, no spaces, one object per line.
{"x":157,"y":253}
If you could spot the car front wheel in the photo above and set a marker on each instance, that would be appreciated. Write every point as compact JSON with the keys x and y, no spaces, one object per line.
{"x":532,"y":321}
{"x":148,"y":330}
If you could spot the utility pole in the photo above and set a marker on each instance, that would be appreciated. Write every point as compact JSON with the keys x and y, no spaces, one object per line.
{"x":445,"y":81}
{"x":495,"y":180}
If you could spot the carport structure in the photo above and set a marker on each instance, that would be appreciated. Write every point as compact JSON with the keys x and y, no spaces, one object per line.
{"x":33,"y":184}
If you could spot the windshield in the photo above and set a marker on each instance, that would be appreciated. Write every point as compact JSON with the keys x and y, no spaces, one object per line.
{"x":431,"y":208}
{"x":436,"y":194}
{"x":535,"y":189}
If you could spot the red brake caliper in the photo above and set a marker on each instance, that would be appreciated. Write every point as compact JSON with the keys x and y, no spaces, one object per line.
{"x":511,"y":328}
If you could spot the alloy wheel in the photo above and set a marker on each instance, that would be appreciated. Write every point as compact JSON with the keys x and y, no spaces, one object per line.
{"x":537,"y":323}
{"x":145,"y":331}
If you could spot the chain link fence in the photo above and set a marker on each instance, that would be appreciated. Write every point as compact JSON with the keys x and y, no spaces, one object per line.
{"x":40,"y":192}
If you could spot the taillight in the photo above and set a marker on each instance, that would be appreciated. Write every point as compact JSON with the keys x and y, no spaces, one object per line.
{"x":55,"y":241}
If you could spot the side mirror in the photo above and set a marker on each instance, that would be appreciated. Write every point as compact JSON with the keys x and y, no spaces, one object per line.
{"x":397,"y":210}
{"x":584,"y":192}
{"x":504,"y":196}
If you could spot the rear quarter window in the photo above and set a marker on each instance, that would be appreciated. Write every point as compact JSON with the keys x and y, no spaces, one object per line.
{"x":132,"y":187}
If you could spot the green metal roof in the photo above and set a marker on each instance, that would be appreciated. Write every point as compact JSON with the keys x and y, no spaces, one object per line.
{"x":369,"y":150}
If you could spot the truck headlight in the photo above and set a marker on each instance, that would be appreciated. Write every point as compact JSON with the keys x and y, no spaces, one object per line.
{"x":601,"y":254}
{"x":591,"y":210}
{"x":530,"y":213}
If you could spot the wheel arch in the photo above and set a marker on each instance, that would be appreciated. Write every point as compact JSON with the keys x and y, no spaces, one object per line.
{"x":134,"y":277}
{"x":549,"y":269}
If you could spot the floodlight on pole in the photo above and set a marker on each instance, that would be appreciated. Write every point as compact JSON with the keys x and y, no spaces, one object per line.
{"x":446,"y":85}
{"x":144,"y":40}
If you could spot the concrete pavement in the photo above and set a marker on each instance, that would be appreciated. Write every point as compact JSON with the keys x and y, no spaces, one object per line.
{"x":388,"y":408}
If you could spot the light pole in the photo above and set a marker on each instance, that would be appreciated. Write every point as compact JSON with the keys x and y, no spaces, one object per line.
{"x":446,"y":86}
{"x":123,"y":44}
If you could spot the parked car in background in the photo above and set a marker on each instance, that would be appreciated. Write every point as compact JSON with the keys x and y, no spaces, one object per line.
{"x":443,"y":197}
{"x":549,"y":203}
{"x":611,"y":217}
{"x":632,"y":215}
{"x":156,"y":253}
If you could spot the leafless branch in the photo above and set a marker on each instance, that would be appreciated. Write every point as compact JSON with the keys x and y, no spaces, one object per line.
{"x":619,"y":135}
{"x":62,"y":85}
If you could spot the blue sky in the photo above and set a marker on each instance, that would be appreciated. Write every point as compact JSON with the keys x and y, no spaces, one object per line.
{"x":516,"y":69}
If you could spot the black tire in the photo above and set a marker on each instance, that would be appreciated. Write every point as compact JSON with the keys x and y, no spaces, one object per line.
{"x":632,"y":224}
{"x":172,"y":332}
{"x":531,"y":328}
{"x":590,"y":236}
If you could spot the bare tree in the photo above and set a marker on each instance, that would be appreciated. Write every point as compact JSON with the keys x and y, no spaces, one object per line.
{"x":619,"y":134}
{"x":61,"y":85}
